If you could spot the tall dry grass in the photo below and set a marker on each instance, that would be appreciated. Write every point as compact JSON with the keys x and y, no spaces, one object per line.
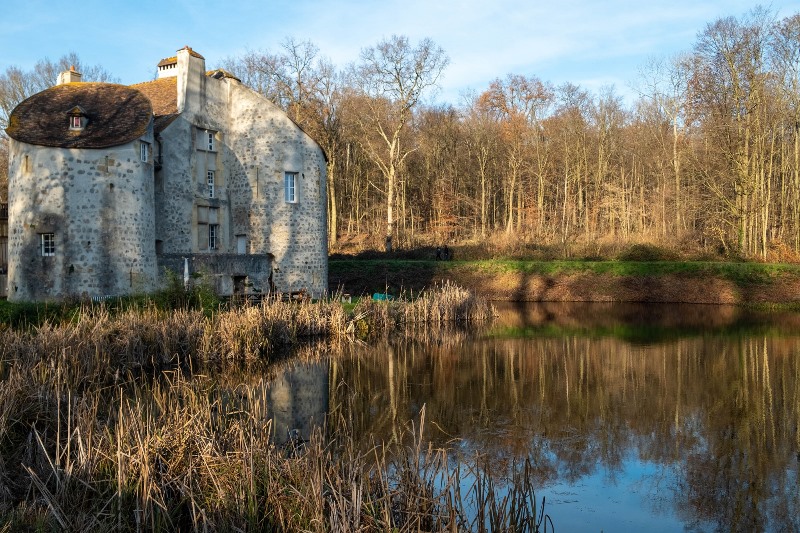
{"x":445,"y":305}
{"x":115,"y":421}
{"x":186,"y":454}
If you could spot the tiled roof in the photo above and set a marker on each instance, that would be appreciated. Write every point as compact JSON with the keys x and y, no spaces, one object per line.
{"x":115,"y":115}
{"x":163,"y":96}
{"x":174,"y":59}
{"x":168,"y":61}
{"x":221,"y":73}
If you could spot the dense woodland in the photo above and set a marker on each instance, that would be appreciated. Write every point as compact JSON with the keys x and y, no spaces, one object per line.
{"x":706,"y":161}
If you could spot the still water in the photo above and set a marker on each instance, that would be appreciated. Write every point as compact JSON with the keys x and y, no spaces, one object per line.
{"x":634,"y":417}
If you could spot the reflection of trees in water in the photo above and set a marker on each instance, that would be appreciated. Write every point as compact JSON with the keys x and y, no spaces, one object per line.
{"x":721,"y":412}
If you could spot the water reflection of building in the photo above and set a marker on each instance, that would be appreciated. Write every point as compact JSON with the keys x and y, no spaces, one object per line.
{"x":297,"y":400}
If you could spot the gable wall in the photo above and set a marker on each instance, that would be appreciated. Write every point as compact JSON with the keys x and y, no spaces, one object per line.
{"x":256,"y":144}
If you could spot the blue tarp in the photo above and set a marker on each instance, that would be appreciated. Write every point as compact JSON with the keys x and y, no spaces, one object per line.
{"x":382,"y":296}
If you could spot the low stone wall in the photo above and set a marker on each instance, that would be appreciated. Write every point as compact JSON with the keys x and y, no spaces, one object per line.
{"x":219,"y":270}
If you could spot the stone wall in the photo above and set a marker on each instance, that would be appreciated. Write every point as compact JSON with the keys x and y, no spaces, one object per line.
{"x":99,"y":205}
{"x":265,"y":145}
{"x":111,"y":213}
{"x":218,"y":270}
{"x":255,"y":144}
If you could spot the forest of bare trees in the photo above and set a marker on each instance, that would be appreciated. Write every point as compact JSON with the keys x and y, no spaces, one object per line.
{"x":705,"y":162}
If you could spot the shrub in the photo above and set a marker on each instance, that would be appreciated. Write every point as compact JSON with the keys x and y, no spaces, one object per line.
{"x":647,"y":253}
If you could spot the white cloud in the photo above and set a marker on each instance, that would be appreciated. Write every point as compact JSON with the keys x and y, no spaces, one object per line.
{"x":580,"y":41}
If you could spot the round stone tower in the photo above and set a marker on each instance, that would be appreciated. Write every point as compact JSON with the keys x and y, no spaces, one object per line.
{"x":81,"y":205}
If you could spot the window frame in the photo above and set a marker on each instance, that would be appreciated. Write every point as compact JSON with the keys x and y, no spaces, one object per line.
{"x":290,"y":187}
{"x":205,"y":139}
{"x":241,"y":244}
{"x":208,"y":216}
{"x":212,"y":236}
{"x":75,"y":122}
{"x":47,"y":244}
{"x":211,"y":182}
{"x":144,"y":151}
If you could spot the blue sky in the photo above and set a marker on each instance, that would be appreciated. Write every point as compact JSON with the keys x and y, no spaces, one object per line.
{"x":588,"y":43}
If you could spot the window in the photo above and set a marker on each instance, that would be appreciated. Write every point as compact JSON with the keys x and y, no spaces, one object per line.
{"x":290,"y":187}
{"x":207,"y":228}
{"x":210,"y":180}
{"x":212,"y":236}
{"x":144,"y":151}
{"x":48,"y":244}
{"x":206,"y":139}
{"x":77,"y":118}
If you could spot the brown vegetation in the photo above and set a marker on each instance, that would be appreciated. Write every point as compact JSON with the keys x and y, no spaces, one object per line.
{"x":707,"y":160}
{"x":112,"y":422}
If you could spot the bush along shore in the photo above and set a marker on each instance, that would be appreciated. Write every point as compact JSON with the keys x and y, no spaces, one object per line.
{"x":112,"y":419}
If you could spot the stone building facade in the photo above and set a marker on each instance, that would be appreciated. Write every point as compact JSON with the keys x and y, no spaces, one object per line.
{"x":193,"y":169}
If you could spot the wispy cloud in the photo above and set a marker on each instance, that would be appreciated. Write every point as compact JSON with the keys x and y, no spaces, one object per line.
{"x":585,"y":42}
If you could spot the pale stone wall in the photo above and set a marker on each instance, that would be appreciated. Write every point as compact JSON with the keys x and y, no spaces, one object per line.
{"x":113,"y":215}
{"x":264,"y":145}
{"x":255,"y":144}
{"x":98,"y":203}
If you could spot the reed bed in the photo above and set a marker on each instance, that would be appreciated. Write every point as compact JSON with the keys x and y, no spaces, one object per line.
{"x":184,"y":453}
{"x":116,"y":421}
{"x":442,"y":306}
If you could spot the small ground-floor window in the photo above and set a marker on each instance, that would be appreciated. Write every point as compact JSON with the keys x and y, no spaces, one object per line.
{"x":48,"y":244}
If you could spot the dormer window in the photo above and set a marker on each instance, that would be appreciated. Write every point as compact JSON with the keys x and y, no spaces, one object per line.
{"x":77,"y":119}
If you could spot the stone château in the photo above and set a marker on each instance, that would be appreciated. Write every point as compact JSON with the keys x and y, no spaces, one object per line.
{"x":112,"y":186}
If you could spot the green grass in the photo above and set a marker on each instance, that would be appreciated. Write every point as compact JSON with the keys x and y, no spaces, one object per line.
{"x":734,"y":271}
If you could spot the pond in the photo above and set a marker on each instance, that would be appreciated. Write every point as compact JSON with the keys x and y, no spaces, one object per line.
{"x":661,"y":417}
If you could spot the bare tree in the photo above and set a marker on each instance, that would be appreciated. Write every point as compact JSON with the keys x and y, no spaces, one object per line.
{"x":786,"y":58}
{"x":519,"y":103}
{"x":392,"y":77}
{"x":731,"y":93}
{"x":482,"y":140}
{"x":16,"y":85}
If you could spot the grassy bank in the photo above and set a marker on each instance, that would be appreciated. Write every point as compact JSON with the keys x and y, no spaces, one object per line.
{"x":600,"y":281}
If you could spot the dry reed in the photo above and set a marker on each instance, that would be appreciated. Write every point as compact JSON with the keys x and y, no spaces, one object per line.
{"x":108,"y":422}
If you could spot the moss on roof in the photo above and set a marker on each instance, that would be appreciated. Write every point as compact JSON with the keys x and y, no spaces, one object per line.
{"x":221,"y":73}
{"x":115,"y":115}
{"x":168,"y":61}
{"x":163,"y":96}
{"x":174,"y":59}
